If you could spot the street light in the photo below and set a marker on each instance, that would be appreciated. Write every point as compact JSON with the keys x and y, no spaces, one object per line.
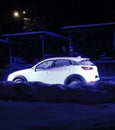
{"x":24,"y":12}
{"x":27,"y":22}
{"x":16,"y":14}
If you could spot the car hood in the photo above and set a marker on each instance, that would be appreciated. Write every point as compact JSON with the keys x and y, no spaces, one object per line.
{"x":21,"y":72}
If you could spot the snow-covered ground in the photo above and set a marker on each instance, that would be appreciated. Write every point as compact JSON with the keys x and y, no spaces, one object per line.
{"x":56,"y":116}
{"x":39,"y":106}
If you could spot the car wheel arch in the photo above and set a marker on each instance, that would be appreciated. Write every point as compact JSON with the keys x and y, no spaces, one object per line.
{"x":21,"y":77}
{"x":74,"y":76}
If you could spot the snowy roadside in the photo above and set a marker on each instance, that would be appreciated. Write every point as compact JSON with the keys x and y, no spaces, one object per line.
{"x":35,"y":105}
{"x":56,"y":116}
{"x":101,"y":92}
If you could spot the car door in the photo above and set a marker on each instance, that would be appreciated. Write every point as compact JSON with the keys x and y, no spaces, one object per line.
{"x":59,"y":71}
{"x":42,"y":71}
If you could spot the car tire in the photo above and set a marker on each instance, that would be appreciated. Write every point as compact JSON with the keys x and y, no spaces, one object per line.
{"x":19,"y":80}
{"x":74,"y":82}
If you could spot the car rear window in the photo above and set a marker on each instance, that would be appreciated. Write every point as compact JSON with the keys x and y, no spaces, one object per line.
{"x":82,"y":62}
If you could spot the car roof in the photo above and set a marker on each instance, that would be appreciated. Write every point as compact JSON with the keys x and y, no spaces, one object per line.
{"x":79,"y":58}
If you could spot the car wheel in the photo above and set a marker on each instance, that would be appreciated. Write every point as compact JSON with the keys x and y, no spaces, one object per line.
{"x":18,"y":80}
{"x":74,"y":82}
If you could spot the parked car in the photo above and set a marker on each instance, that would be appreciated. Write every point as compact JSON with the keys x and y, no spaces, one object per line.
{"x":59,"y":70}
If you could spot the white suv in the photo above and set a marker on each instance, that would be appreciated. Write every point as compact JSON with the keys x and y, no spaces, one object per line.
{"x":59,"y":70}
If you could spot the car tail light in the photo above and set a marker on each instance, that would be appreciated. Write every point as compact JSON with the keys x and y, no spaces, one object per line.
{"x":87,"y":68}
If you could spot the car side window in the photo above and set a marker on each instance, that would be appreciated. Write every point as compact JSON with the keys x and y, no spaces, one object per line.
{"x":60,"y":63}
{"x":44,"y":65}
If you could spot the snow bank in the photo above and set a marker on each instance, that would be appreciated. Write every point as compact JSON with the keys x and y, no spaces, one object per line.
{"x":101,"y":92}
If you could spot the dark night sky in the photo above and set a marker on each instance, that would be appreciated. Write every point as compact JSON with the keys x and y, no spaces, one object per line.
{"x":71,"y":12}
